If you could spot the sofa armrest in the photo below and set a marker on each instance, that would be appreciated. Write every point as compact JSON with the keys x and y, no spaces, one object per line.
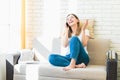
{"x":112,"y":65}
{"x":11,"y":60}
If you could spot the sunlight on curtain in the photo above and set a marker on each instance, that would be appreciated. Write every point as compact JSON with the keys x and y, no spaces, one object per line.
{"x":4,"y":24}
{"x":51,"y":21}
{"x":9,"y":25}
{"x":23,"y":29}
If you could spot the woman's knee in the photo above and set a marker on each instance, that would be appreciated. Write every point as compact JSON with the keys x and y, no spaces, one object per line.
{"x":51,"y":58}
{"x":74,"y":39}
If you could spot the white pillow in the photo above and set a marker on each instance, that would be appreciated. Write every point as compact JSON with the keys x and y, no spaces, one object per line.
{"x":27,"y":55}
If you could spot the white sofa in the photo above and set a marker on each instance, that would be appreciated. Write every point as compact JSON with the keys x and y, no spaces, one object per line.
{"x":98,"y":69}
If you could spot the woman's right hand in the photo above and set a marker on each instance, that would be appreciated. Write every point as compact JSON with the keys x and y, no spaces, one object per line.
{"x":66,"y":29}
{"x":65,"y":36}
{"x":85,"y":25}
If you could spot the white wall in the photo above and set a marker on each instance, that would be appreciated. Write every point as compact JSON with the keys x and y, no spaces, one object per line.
{"x":105,"y":12}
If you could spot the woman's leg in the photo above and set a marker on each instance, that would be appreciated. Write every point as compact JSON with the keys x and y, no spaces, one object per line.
{"x":74,"y":52}
{"x":58,"y":60}
{"x":74,"y":47}
{"x":77,"y":54}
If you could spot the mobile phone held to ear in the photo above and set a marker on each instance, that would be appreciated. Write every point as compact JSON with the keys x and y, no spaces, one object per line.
{"x":67,"y":24}
{"x":70,"y":30}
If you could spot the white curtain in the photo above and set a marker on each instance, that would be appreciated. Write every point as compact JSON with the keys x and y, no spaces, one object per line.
{"x":10,"y":14}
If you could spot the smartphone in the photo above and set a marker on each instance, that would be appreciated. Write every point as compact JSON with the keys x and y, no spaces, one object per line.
{"x":70,"y":30}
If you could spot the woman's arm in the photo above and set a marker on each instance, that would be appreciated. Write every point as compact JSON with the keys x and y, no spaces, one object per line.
{"x":85,"y":38}
{"x":65,"y":39}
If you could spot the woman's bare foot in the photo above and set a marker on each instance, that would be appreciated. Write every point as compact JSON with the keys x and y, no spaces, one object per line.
{"x":68,"y":68}
{"x":82,"y":65}
{"x":71,"y":65}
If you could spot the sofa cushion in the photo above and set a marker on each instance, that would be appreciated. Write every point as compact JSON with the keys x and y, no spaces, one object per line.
{"x":52,"y":71}
{"x":24,"y":77}
{"x":97,"y":49}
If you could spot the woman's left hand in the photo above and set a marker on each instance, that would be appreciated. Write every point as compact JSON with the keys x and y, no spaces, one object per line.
{"x":85,"y":25}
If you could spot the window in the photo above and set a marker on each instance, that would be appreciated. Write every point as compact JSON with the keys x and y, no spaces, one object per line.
{"x":10,"y":25}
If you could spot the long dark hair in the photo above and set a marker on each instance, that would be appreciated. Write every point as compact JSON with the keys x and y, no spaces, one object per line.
{"x":70,"y":30}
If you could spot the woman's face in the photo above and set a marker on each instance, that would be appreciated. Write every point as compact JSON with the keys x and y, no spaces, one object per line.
{"x":71,"y":20}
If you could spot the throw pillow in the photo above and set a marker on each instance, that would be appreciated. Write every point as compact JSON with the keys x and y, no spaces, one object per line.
{"x":27,"y":55}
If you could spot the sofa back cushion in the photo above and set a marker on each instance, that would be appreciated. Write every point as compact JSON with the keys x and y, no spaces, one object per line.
{"x":97,"y":49}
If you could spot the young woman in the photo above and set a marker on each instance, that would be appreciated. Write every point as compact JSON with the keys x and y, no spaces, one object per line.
{"x":76,"y":38}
